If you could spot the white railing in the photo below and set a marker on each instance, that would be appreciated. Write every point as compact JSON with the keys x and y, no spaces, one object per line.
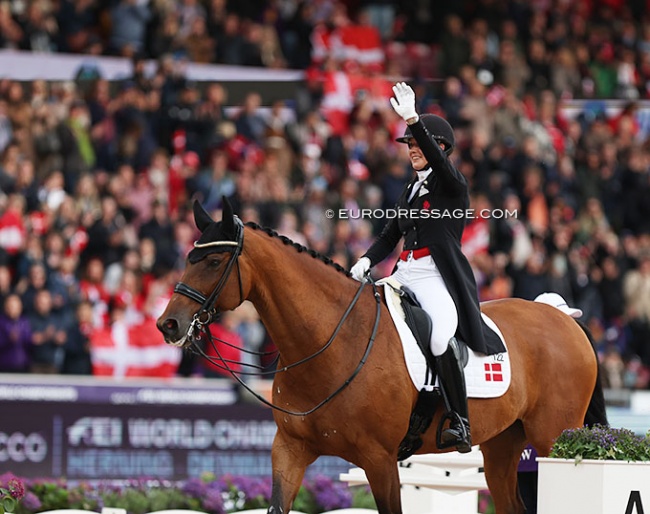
{"x":440,"y":483}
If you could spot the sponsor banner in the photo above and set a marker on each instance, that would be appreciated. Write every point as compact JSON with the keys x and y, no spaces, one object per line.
{"x":20,"y":389}
{"x":123,"y":442}
{"x":122,"y":433}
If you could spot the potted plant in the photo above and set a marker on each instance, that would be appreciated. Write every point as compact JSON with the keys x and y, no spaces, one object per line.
{"x":600,"y":470}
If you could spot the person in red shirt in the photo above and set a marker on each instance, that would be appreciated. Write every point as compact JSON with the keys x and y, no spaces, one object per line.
{"x":224,"y":351}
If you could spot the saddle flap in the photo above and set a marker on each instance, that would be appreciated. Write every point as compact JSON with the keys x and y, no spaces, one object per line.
{"x":418,"y":322}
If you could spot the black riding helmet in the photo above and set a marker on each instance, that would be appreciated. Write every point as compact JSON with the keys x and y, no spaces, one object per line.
{"x":438,"y":127}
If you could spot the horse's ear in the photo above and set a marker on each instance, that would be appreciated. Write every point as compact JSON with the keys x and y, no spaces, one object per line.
{"x":201,"y":216}
{"x":228,"y":219}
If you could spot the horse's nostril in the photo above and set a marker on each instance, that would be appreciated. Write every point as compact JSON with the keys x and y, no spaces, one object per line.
{"x":169,"y":326}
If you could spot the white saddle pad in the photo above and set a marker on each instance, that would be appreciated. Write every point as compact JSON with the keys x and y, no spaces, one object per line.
{"x":486,"y":376}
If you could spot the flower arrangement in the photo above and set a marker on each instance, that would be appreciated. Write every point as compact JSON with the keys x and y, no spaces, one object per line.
{"x":12,"y":491}
{"x":601,"y":443}
{"x":207,"y":494}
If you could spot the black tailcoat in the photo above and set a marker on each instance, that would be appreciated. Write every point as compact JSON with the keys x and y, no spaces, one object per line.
{"x":446,"y":200}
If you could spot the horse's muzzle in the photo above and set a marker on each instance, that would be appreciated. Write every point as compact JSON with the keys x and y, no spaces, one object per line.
{"x":172,"y":333}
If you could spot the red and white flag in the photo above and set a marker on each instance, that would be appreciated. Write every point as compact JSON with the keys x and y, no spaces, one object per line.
{"x":120,"y":350}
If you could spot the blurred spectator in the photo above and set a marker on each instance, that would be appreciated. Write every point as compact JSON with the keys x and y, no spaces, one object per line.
{"x":10,"y":32}
{"x":106,"y":234}
{"x":91,"y":287}
{"x":165,"y":38}
{"x":381,"y":14}
{"x":253,"y":335}
{"x":223,"y":350}
{"x":295,"y":39}
{"x":249,"y":122}
{"x":13,"y":232}
{"x":128,"y":27}
{"x":215,"y":181}
{"x":636,"y":289}
{"x":160,"y":229}
{"x":6,"y":286}
{"x":188,"y":12}
{"x":232,"y":47}
{"x":76,"y":21}
{"x":15,"y":336}
{"x":49,"y":335}
{"x":40,"y":29}
{"x":20,"y":112}
{"x":199,"y":45}
{"x":76,"y":359}
{"x":6,"y":130}
{"x":29,"y":285}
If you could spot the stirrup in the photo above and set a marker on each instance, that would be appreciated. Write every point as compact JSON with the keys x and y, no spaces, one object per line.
{"x":457,"y":430}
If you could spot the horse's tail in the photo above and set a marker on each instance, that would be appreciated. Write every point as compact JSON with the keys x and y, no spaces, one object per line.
{"x":596,"y":413}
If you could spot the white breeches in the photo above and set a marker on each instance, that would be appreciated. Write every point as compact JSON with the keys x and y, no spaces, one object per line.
{"x":423,"y":278}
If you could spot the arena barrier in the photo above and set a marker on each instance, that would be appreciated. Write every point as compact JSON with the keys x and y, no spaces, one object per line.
{"x":436,"y":483}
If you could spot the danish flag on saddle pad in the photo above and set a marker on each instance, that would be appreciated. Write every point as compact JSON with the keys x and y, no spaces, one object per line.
{"x":493,"y":372}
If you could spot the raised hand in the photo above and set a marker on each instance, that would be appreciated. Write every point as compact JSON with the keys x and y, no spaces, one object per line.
{"x":404,"y":102}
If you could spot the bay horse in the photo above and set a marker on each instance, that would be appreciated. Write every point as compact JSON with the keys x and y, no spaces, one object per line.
{"x":342,"y":387}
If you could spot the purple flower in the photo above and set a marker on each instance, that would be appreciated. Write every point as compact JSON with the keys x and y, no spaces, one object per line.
{"x":194,"y":487}
{"x":31,"y":502}
{"x":213,"y":502}
{"x":330,"y":495}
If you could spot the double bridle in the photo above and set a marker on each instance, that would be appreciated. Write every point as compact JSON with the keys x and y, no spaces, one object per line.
{"x":208,"y":312}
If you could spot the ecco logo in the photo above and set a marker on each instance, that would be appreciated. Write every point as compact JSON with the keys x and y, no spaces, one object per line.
{"x":18,"y":447}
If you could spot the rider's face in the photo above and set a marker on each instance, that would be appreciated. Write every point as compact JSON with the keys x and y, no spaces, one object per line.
{"x":418,"y":161}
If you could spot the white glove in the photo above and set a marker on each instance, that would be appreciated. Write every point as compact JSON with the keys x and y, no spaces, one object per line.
{"x":360,"y":269}
{"x":404,"y":101}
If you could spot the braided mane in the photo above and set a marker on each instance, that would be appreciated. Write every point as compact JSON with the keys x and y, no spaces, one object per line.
{"x":300,"y":248}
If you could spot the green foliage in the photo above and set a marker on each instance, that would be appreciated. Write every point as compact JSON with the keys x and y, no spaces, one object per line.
{"x":8,"y":504}
{"x":362,"y":498}
{"x":601,"y":443}
{"x":52,"y":494}
{"x":305,"y":502}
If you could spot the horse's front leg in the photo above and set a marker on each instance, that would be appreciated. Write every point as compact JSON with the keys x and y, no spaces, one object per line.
{"x":383,"y":477}
{"x":289,"y":459}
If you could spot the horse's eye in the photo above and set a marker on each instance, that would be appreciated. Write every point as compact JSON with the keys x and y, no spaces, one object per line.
{"x":214,"y":262}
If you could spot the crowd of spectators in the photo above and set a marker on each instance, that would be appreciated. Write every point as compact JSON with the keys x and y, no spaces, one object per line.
{"x":97,"y":178}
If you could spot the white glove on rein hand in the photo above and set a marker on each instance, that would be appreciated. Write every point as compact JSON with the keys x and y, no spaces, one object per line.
{"x":360,"y":269}
{"x":404,"y":101}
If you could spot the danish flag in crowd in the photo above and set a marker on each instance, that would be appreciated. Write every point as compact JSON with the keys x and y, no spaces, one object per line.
{"x":139,"y":350}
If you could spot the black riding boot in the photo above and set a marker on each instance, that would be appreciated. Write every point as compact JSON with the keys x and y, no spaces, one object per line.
{"x":452,"y":380}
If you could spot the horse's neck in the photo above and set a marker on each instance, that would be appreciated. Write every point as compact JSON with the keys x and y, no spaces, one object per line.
{"x":299,"y":299}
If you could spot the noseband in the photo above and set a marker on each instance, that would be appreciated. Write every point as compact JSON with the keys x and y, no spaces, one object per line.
{"x":207,"y":312}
